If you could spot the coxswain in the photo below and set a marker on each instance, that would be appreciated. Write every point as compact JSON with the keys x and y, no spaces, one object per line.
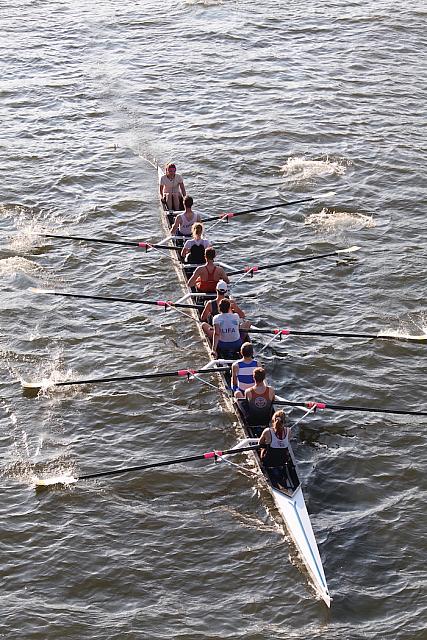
{"x":172,"y":189}
{"x":206,"y":277}
{"x":275,"y":454}
{"x":242,"y":370}
{"x":212,"y":309}
{"x":259,"y":399}
{"x":193,"y":251}
{"x":226,"y":337}
{"x":183,"y":223}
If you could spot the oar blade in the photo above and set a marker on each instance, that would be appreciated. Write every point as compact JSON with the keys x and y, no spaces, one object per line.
{"x":349,"y":249}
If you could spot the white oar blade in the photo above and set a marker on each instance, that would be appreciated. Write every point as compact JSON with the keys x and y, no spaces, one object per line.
{"x":325,"y":196}
{"x":402,"y":336}
{"x":63,"y":479}
{"x":37,"y":290}
{"x":349,"y":250}
{"x":31,"y":385}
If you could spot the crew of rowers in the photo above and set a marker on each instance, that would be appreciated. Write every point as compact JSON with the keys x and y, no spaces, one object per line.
{"x":224,"y":324}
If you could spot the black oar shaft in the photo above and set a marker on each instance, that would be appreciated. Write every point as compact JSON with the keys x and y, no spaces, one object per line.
{"x":339,"y":407}
{"x":110,"y":299}
{"x":125,"y":243}
{"x":270,"y":206}
{"x":330,"y":334}
{"x":142,"y":376}
{"x":273,"y":265}
{"x":164,"y":463}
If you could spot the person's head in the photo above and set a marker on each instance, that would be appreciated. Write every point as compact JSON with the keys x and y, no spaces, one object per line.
{"x":222,"y":287}
{"x":197,"y":230}
{"x":279,"y":419}
{"x":259,"y":375}
{"x":210,"y":253}
{"x":170,"y":169}
{"x":224,"y":305}
{"x":188,"y":202}
{"x":247,"y":350}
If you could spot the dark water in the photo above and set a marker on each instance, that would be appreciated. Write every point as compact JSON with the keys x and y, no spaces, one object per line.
{"x":256,"y":103}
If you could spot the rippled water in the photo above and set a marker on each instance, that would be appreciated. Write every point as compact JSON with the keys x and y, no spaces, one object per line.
{"x":256,"y":104}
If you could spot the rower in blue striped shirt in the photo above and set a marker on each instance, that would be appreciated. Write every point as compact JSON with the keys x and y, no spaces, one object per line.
{"x":242,"y":370}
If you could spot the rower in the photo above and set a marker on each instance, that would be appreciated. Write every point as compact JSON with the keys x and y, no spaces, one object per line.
{"x":212,"y":308}
{"x":172,"y":189}
{"x":193,"y":251}
{"x":206,"y":277}
{"x":242,"y":371}
{"x":226,"y":337}
{"x":184,"y":221}
{"x":275,"y":454}
{"x":259,"y":399}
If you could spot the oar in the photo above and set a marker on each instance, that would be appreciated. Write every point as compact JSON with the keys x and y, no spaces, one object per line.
{"x":271,"y":206}
{"x":273,"y":265}
{"x":160,"y":303}
{"x":158,"y":374}
{"x":210,"y":455}
{"x":126,"y":243}
{"x":339,"y":407}
{"x":331,"y":334}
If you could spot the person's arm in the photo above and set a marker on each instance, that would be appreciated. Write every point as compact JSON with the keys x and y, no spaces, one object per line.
{"x":234,"y":370}
{"x":182,"y":188}
{"x":266,"y":440}
{"x":175,"y":224}
{"x":215,"y":337}
{"x":206,"y":312}
{"x":223,"y":275}
{"x":236,"y":309}
{"x":271,"y":394}
{"x":161,"y":188}
{"x":192,"y":281}
{"x":185,"y":250}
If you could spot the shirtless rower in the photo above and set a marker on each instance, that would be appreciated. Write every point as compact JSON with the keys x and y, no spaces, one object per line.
{"x":212,"y":309}
{"x":172,"y":189}
{"x":242,"y":370}
{"x":260,"y":398}
{"x":206,"y":277}
{"x":184,"y":221}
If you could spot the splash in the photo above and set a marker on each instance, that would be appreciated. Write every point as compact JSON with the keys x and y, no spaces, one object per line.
{"x":412,"y":328}
{"x":10,"y":266}
{"x":299,"y":169}
{"x":328,"y":221}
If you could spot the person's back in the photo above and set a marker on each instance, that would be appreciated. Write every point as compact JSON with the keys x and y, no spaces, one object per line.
{"x":243,"y":369}
{"x":193,"y":251}
{"x":260,"y":398}
{"x":184,"y":222}
{"x":226,"y":337}
{"x":206,"y":277}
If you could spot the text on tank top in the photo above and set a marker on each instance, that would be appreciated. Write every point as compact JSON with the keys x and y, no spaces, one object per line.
{"x":228,"y":324}
{"x":185,"y":224}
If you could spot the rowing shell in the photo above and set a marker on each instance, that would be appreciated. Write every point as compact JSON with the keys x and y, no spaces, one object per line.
{"x":289,"y":500}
